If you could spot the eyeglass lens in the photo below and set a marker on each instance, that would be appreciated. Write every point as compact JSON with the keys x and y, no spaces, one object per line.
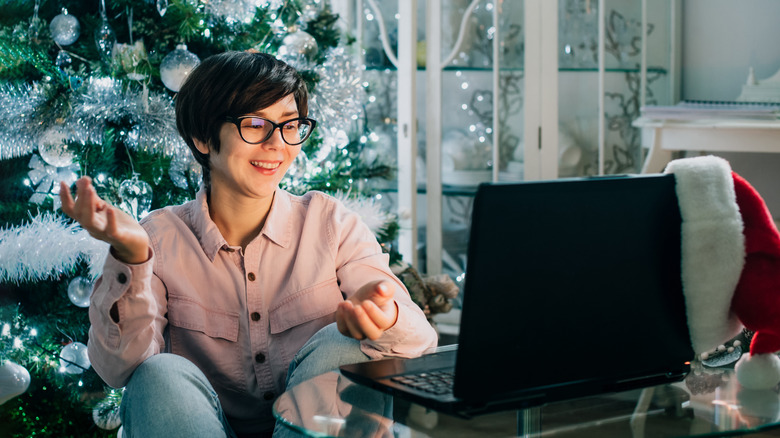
{"x":257,"y":130}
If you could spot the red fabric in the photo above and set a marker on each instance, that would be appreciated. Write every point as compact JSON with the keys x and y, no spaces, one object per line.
{"x":756,"y":300}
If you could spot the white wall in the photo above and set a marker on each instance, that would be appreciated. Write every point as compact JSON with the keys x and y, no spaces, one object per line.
{"x":721,"y":40}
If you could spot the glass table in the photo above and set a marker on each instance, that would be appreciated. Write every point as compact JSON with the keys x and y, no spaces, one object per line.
{"x":709,"y":402}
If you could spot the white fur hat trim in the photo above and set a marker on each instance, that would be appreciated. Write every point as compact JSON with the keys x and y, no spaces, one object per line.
{"x":713,"y":247}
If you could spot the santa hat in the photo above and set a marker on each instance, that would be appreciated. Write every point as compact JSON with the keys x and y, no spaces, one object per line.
{"x":730,"y":265}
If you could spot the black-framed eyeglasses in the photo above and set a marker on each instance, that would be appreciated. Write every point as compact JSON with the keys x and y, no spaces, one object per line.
{"x":255,"y":130}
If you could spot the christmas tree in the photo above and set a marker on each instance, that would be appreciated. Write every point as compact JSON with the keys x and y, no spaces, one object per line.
{"x":87,"y":88}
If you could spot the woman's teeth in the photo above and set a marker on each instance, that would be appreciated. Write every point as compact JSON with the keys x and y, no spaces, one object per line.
{"x":265,"y":165}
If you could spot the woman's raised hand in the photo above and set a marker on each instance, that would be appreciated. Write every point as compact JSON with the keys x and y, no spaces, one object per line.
{"x":128,"y":239}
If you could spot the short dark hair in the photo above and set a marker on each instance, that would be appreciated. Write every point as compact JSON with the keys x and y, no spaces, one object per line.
{"x":232,"y":84}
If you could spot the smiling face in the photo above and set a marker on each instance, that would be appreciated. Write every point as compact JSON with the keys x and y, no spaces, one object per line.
{"x":252,"y":171}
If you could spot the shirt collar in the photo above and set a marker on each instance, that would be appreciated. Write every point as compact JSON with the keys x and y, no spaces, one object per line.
{"x":206,"y":230}
{"x":277,"y":226}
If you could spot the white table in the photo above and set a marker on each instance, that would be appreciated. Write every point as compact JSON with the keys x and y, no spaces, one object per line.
{"x":710,"y":135}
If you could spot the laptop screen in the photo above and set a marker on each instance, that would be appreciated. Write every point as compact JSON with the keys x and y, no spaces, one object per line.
{"x":571,"y":282}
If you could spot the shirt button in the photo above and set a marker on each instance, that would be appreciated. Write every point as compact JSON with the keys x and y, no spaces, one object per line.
{"x":268,"y":395}
{"x":121,"y":278}
{"x":255,"y":316}
{"x":259,"y":358}
{"x":251,"y":276}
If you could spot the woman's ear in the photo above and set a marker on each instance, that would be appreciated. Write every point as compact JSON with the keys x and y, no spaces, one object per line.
{"x":202,"y":147}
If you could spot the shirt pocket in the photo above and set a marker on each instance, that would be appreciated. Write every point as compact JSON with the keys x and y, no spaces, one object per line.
{"x":306,"y":305}
{"x":209,"y":339}
{"x":186,"y":313}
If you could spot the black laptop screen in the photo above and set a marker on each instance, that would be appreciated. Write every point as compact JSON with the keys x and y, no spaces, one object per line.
{"x":571,"y":281}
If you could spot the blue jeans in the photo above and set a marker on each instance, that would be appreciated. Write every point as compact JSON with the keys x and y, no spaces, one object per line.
{"x":168,"y":396}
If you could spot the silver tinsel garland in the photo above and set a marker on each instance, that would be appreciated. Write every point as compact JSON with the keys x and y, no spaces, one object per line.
{"x":98,"y":101}
{"x":18,"y":132}
{"x":337,"y":99}
{"x":369,"y":209}
{"x":45,"y":248}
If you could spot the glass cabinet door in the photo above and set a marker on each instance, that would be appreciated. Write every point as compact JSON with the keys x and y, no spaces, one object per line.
{"x":606,"y":74}
{"x":509,"y":91}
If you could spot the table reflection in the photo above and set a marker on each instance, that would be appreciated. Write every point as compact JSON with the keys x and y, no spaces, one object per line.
{"x":332,"y":405}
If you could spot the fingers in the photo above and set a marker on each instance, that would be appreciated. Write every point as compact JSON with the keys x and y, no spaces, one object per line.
{"x":66,"y":199}
{"x":345,"y":321}
{"x":361,"y":321}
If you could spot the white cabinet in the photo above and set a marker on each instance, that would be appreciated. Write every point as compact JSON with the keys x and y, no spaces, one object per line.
{"x":557,"y":82}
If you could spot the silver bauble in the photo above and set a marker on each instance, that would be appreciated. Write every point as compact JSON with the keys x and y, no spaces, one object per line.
{"x":14,"y":380}
{"x":55,"y":150}
{"x":298,"y":43}
{"x":74,"y":358}
{"x":176,"y":66}
{"x":106,"y":415}
{"x":79,"y":291}
{"x":136,"y":196}
{"x":65,"y":28}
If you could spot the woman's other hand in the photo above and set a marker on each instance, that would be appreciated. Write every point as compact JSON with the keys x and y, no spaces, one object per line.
{"x":369,"y":312}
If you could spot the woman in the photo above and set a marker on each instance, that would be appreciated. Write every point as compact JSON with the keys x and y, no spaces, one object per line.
{"x":250,"y":288}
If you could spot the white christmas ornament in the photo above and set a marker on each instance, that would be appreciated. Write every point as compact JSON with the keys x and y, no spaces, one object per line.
{"x":55,"y":150}
{"x":106,"y":415}
{"x":46,"y":180}
{"x":296,"y":44}
{"x":74,"y":359}
{"x":162,"y":6}
{"x":79,"y":291}
{"x":14,"y":381}
{"x":65,"y":28}
{"x":136,"y":196}
{"x":176,"y":66}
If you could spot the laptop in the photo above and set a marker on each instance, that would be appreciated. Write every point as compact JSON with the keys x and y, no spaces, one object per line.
{"x":572,"y":289}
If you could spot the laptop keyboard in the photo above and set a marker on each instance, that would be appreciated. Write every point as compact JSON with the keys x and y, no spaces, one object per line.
{"x":435,"y":382}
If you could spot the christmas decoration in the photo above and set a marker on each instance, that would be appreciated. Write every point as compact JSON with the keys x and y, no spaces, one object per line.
{"x":55,"y":150}
{"x":136,"y":196}
{"x":298,"y":44}
{"x":162,"y":7}
{"x":431,"y":293}
{"x":65,"y":28}
{"x":105,"y":37}
{"x":17,"y":104}
{"x":46,"y":180}
{"x":337,"y":99}
{"x":130,"y":59}
{"x":730,"y":265}
{"x":106,"y":415}
{"x":176,"y":66}
{"x":14,"y":380}
{"x":79,"y":291}
{"x":45,"y":247}
{"x":74,"y":359}
{"x":369,"y":211}
{"x":104,"y":109}
{"x":63,"y":60}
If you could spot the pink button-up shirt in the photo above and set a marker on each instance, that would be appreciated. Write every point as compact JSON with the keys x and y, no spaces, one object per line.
{"x":241,"y":315}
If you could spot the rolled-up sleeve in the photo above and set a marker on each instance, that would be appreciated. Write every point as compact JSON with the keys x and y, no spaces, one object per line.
{"x":360,"y":260}
{"x":116,"y":347}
